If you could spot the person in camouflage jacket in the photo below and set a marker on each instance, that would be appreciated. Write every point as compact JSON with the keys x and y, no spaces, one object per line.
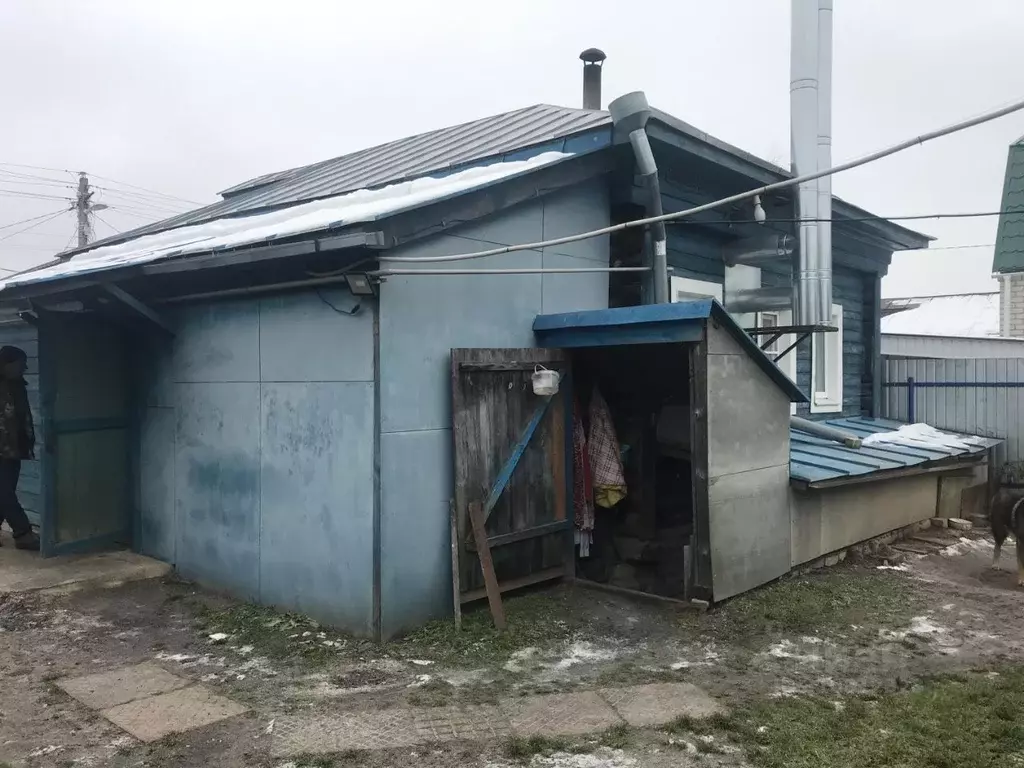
{"x":17,"y":443}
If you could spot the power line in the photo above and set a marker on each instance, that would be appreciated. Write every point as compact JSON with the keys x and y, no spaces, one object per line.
{"x":844,"y":220}
{"x":741,"y":196}
{"x":145,"y":189}
{"x":106,"y":222}
{"x":35,"y":195}
{"x":38,"y":167}
{"x":26,"y":221}
{"x":959,"y":247}
{"x":148,"y":202}
{"x":42,"y":220}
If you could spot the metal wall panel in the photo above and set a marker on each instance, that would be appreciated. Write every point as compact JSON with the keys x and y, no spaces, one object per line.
{"x":217,"y":485}
{"x":316,"y":500}
{"x":992,"y":411}
{"x":748,"y":470}
{"x":906,"y":345}
{"x":422,"y":320}
{"x":256,"y":451}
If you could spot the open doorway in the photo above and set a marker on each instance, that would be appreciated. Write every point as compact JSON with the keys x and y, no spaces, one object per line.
{"x":641,"y":533}
{"x":86,"y":424}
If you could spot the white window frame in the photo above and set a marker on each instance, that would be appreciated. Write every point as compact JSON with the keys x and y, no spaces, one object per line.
{"x":687,"y":289}
{"x":787,"y":364}
{"x":827,"y":396}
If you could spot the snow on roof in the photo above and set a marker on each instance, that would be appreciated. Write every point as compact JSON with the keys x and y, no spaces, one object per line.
{"x":971,"y":315}
{"x":354,"y":207}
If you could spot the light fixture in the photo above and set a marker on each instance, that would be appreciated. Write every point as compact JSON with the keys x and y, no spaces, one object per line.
{"x":759,"y":216}
{"x":360,"y":284}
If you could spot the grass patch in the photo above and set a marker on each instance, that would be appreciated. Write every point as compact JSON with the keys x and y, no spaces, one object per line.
{"x":967,"y":722}
{"x":273,"y":634}
{"x":617,"y":737}
{"x":630,"y":673}
{"x":523,"y":748}
{"x":533,"y":620}
{"x":819,"y":602}
{"x":314,"y":761}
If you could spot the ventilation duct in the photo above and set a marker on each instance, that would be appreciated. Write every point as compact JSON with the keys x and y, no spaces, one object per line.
{"x":759,"y":250}
{"x":745,"y":300}
{"x":593,"y":60}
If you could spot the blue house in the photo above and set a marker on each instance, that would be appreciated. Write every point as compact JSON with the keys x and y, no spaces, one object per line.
{"x":255,"y":391}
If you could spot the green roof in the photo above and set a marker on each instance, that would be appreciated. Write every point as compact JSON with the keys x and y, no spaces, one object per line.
{"x":1009,"y":255}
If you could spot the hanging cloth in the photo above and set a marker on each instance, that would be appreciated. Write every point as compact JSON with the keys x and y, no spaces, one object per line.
{"x":582,"y":488}
{"x":609,"y":478}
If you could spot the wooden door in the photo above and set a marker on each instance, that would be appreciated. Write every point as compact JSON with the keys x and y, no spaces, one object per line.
{"x":513,"y":456}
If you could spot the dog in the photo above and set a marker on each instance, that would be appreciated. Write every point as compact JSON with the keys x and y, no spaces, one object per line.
{"x":1006,"y":516}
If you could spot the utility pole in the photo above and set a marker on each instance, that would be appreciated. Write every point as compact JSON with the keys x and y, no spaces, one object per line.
{"x":82,"y":209}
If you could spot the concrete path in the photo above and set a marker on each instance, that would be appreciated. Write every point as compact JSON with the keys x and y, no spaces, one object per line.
{"x":149,"y":702}
{"x":568,"y":714}
{"x":27,"y":571}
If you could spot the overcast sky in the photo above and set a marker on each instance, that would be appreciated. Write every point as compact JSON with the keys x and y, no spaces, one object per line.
{"x":189,"y":97}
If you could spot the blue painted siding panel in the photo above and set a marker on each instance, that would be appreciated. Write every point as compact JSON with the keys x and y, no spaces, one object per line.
{"x":422,"y":319}
{"x":256,"y":462}
{"x":157,"y":534}
{"x":415,"y":541}
{"x":316,"y":501}
{"x":217,"y":485}
{"x":303,"y":337}
{"x":218,"y":342}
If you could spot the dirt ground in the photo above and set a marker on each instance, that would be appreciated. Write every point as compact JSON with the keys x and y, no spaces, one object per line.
{"x":837,"y":648}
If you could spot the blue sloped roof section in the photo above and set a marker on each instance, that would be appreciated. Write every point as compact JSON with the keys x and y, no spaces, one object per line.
{"x":652,"y":324}
{"x":815,"y":460}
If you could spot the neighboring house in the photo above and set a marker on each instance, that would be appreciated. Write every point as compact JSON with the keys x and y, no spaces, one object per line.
{"x":956,"y":326}
{"x":212,"y":396}
{"x":1008,"y":260}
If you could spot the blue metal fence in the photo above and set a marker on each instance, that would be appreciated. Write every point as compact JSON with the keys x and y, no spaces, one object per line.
{"x":973,"y":396}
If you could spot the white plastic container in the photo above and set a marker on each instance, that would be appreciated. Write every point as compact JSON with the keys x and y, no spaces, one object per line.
{"x":545,"y":382}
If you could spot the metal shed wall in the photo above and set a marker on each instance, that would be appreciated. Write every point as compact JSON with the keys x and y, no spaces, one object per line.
{"x":30,"y":485}
{"x":256,"y":451}
{"x":748,"y":469}
{"x":421,"y":320}
{"x":908,"y":345}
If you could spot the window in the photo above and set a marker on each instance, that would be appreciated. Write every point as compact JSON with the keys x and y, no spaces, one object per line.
{"x":827,"y":367}
{"x":685,"y":289}
{"x":788,"y":363}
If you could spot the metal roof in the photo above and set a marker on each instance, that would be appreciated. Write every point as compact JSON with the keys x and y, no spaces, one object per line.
{"x":1009,"y":253}
{"x":816,"y":461}
{"x":653,"y":324}
{"x":506,"y":136}
{"x":968,"y":315}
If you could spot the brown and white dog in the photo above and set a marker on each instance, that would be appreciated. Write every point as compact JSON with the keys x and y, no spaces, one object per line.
{"x":1006,"y":515}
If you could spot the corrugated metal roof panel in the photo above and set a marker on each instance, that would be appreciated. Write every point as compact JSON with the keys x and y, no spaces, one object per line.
{"x":441,"y":150}
{"x":1009,"y":252}
{"x":815,"y":460}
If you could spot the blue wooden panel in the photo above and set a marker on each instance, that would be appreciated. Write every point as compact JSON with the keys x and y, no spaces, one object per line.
{"x":217,"y":485}
{"x":579,"y":209}
{"x":217,"y":342}
{"x":849,"y":288}
{"x":416,"y":485}
{"x":622,"y":316}
{"x":306,"y":337}
{"x":316,"y":490}
{"x":157,"y":532}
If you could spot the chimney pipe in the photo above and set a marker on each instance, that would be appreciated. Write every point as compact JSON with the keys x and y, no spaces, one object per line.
{"x":823,"y":289}
{"x":803,"y":126}
{"x":593,"y":60}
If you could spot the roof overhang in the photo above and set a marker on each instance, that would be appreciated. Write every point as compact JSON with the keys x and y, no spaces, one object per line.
{"x":682,"y":321}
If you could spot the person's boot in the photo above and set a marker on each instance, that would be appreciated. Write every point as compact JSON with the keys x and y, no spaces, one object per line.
{"x":27,"y":541}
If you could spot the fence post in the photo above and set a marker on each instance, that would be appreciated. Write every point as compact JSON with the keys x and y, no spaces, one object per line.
{"x":910,"y":401}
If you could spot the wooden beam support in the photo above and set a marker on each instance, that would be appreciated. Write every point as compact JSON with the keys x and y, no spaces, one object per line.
{"x":139,"y":308}
{"x":517,"y":453}
{"x":476,"y":519}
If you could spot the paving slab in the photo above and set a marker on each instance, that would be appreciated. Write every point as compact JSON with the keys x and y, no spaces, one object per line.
{"x":152,"y":718}
{"x":109,"y":689}
{"x":22,"y":571}
{"x":644,"y":706}
{"x":474,"y":723}
{"x":382,"y":729}
{"x":560,"y":714}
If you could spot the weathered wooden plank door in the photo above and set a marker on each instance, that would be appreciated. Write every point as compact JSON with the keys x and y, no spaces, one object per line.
{"x":513,"y":455}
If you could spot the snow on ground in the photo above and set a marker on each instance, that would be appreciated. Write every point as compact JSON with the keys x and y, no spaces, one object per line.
{"x":351,"y":208}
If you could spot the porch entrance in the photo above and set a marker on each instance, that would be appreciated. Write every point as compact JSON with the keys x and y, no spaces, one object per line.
{"x":85,"y":425}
